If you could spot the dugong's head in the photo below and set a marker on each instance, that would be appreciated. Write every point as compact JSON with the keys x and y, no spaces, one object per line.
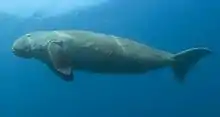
{"x":22,"y":47}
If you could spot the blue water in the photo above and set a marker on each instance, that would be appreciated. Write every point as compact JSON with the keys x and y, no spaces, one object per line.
{"x":29,"y":89}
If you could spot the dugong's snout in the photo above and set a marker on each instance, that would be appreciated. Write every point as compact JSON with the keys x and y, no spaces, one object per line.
{"x":21,"y":48}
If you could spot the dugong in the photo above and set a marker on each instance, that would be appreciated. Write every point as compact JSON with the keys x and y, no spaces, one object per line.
{"x":65,"y":51}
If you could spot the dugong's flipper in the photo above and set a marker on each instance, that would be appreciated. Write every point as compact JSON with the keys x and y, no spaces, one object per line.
{"x":59,"y":59}
{"x":184,"y":60}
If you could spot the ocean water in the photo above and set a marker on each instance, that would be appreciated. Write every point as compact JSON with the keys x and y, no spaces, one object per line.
{"x":29,"y":89}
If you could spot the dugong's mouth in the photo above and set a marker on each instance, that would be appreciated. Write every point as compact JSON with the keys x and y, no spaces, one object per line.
{"x":22,"y":54}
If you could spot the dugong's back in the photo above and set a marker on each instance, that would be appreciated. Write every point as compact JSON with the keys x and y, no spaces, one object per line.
{"x":106,"y":53}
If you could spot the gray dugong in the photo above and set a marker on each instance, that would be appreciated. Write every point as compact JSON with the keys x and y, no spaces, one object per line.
{"x":65,"y":51}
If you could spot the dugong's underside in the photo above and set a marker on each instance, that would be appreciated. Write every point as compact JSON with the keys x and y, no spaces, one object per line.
{"x":67,"y":51}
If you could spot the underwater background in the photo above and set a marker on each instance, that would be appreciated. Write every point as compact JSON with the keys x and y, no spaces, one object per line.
{"x":29,"y":89}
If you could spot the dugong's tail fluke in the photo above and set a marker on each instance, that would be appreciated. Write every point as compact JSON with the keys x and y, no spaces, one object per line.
{"x":184,"y":60}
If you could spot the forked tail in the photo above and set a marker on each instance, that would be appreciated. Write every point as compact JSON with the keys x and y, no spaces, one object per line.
{"x":185,"y":60}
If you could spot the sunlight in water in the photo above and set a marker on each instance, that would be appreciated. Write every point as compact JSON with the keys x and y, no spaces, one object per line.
{"x":49,"y":7}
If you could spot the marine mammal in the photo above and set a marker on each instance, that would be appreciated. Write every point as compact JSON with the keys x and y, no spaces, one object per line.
{"x":65,"y":51}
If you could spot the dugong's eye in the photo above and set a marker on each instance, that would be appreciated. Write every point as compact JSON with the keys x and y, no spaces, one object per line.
{"x":28,"y":35}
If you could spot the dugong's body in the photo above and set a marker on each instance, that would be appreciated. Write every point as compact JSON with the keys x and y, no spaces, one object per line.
{"x":67,"y":51}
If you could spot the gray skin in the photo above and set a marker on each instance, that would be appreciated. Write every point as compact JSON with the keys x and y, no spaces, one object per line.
{"x":65,"y":51}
